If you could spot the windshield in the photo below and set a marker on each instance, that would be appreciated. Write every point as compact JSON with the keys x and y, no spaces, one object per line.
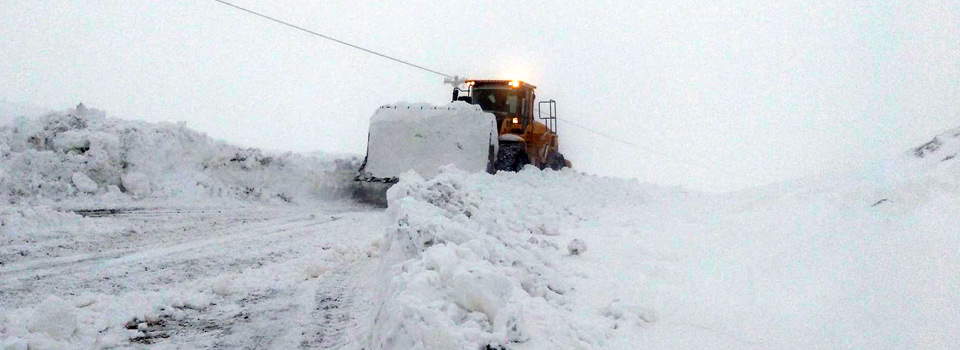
{"x":493,"y":99}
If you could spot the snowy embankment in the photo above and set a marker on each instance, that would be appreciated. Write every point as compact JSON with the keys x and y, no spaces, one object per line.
{"x":478,"y":260}
{"x":81,"y":159}
{"x":547,"y":260}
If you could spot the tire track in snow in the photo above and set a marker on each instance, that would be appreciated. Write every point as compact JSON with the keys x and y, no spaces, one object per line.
{"x":315,"y":314}
{"x":234,"y":247}
{"x":44,"y":267}
{"x":333,"y":311}
{"x":149,"y":243}
{"x":307,"y":314}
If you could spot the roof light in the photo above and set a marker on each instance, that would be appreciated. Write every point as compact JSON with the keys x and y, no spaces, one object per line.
{"x":514,"y":83}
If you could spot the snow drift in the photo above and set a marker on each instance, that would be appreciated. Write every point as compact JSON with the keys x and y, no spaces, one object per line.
{"x":548,"y":260}
{"x":475,"y":261}
{"x":82,"y":158}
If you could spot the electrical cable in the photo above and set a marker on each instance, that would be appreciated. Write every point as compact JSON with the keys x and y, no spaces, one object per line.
{"x":647,"y":149}
{"x":641,"y":148}
{"x":333,"y":39}
{"x":608,"y":136}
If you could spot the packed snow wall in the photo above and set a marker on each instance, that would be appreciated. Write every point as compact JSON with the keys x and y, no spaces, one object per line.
{"x":80,"y":158}
{"x":423,"y":137}
{"x":474,"y":260}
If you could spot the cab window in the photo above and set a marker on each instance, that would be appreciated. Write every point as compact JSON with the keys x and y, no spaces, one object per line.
{"x":497,"y":99}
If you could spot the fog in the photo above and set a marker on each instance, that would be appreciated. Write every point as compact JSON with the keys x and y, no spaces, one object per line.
{"x":714,"y":96}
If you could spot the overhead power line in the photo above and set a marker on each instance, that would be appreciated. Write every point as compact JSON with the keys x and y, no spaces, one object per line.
{"x":611,"y":137}
{"x":334,"y":39}
{"x":648,"y":149}
{"x":644,"y":148}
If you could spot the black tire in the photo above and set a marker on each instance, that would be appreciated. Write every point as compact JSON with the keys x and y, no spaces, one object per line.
{"x":511,"y":157}
{"x":556,"y":161}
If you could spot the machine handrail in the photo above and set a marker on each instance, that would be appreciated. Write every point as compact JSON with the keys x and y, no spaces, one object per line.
{"x":551,"y":119}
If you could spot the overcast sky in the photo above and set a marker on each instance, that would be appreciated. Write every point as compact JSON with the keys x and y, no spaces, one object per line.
{"x":726,"y":94}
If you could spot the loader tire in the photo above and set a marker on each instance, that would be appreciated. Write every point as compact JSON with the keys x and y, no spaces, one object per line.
{"x":556,"y":161}
{"x":511,"y":157}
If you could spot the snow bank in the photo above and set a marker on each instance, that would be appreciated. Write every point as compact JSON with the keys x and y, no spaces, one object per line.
{"x":81,"y":158}
{"x":424,"y":137}
{"x":474,"y":260}
{"x":549,"y":260}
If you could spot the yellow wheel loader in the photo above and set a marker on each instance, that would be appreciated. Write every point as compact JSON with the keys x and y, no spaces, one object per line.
{"x":491,"y":125}
{"x":526,"y":135}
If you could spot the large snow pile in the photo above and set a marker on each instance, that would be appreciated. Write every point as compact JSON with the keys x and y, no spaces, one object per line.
{"x":477,"y":260}
{"x":547,"y":260}
{"x":81,"y":158}
{"x":423,"y":137}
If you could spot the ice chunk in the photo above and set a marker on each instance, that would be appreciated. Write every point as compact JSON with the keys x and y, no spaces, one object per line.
{"x":484,"y":292}
{"x":71,"y":140}
{"x":136,"y":183}
{"x":197,"y":301}
{"x":222,"y":286}
{"x":54,"y":317}
{"x":83,"y":183}
{"x":577,"y":247}
{"x":314,"y":269}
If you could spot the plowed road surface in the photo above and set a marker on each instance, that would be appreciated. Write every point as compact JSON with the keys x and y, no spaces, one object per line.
{"x":285,"y":278}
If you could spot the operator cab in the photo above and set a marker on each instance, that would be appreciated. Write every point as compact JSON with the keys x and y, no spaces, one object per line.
{"x":511,"y":101}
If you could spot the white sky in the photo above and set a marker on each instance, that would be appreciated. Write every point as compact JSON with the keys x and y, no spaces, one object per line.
{"x":748,"y":91}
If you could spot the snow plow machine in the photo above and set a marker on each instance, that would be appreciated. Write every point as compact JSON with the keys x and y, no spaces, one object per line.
{"x":491,"y":125}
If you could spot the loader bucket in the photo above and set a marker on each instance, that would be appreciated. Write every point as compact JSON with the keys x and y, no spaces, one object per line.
{"x":423,"y":138}
{"x":371,"y":192}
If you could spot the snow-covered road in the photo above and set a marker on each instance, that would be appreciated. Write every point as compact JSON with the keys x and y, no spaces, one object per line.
{"x":280,"y":278}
